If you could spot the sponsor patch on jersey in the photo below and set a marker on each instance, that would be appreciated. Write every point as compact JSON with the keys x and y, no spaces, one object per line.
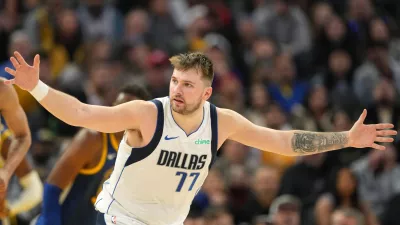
{"x":202,"y":142}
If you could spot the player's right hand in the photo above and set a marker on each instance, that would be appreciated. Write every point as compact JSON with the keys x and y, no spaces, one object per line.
{"x":25,"y":76}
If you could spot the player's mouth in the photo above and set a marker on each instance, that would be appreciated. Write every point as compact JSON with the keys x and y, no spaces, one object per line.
{"x":178,"y":101}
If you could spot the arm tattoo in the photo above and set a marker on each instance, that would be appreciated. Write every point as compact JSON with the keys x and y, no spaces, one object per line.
{"x":311,"y":142}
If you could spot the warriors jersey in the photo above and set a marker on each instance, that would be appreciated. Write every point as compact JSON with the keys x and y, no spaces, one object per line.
{"x":156,"y":184}
{"x":78,"y":206}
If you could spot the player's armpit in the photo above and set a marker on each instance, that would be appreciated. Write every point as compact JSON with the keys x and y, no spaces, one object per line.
{"x":79,"y":152}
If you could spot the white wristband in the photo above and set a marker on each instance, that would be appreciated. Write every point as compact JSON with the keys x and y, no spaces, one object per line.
{"x":40,"y":91}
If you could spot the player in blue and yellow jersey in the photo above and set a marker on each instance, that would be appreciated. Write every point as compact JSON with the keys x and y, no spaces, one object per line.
{"x":15,"y":140}
{"x":73,"y":185}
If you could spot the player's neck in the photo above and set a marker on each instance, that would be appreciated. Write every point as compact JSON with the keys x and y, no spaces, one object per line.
{"x":189,"y":123}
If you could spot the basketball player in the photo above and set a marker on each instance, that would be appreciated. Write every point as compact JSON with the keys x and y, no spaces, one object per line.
{"x":171,"y":142}
{"x":81,"y":171}
{"x":14,"y":143}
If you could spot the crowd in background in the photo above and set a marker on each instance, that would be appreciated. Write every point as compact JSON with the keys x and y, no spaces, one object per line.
{"x":284,"y":64}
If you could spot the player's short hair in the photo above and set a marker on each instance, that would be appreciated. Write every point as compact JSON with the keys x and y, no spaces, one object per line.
{"x":194,"y":60}
{"x":138,"y":91}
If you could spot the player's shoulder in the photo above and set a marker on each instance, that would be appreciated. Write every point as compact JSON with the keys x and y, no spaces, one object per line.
{"x":228,"y":118}
{"x":226,"y":114}
{"x":142,"y":106}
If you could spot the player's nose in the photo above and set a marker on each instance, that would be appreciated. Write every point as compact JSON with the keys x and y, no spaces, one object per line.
{"x":178,"y":89}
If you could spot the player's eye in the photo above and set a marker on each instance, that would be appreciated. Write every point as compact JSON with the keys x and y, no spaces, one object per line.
{"x":188,"y":85}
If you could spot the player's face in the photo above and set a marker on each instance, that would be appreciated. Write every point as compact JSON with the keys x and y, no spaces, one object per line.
{"x":123,"y":97}
{"x":188,"y":91}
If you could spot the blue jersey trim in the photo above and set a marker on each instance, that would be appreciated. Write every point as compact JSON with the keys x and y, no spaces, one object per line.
{"x":139,"y":154}
{"x":214,"y":133}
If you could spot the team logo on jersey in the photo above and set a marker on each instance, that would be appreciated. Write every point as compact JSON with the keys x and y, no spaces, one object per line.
{"x":114,"y":219}
{"x":202,"y":142}
{"x":170,"y":138}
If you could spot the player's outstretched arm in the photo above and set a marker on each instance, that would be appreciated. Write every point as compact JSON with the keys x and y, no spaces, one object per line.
{"x":80,"y":152}
{"x":71,"y":110}
{"x":298,"y":142}
{"x":16,"y":120}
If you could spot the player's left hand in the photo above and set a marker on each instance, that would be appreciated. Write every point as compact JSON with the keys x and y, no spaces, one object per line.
{"x":365,"y":135}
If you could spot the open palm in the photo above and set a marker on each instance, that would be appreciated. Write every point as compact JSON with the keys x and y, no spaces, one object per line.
{"x":366,"y":135}
{"x":25,"y":76}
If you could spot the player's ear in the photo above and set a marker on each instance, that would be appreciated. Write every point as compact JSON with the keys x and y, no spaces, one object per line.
{"x":207,"y":93}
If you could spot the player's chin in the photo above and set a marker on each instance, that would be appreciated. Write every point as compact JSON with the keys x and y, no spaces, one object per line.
{"x":179,"y":108}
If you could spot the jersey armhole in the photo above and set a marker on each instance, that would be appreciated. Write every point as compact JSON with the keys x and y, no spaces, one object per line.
{"x":214,"y":134}
{"x":138,"y":154}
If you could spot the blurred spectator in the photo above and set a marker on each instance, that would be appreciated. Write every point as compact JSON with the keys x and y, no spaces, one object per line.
{"x":322,"y":12}
{"x":287,"y":89}
{"x":343,"y":192}
{"x":259,"y":102}
{"x":41,"y":22}
{"x":98,"y":83}
{"x":163,"y":30}
{"x":218,"y":216}
{"x":264,"y":187}
{"x":317,"y":116}
{"x":288,"y":26}
{"x":9,"y":20}
{"x":379,"y":32}
{"x":247,"y":32}
{"x":377,"y":174}
{"x":335,"y":35}
{"x":261,"y":60}
{"x":19,"y":41}
{"x":233,"y":154}
{"x":338,"y":80}
{"x":359,"y":13}
{"x":158,"y":73}
{"x":305,"y":180}
{"x":99,"y":20}
{"x":379,"y":65}
{"x":213,"y":192}
{"x":385,"y":108}
{"x":347,"y":216}
{"x":137,"y":25}
{"x":67,"y":43}
{"x":285,"y":210}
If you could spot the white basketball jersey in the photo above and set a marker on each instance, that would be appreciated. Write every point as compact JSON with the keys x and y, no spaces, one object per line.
{"x":155,"y":184}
